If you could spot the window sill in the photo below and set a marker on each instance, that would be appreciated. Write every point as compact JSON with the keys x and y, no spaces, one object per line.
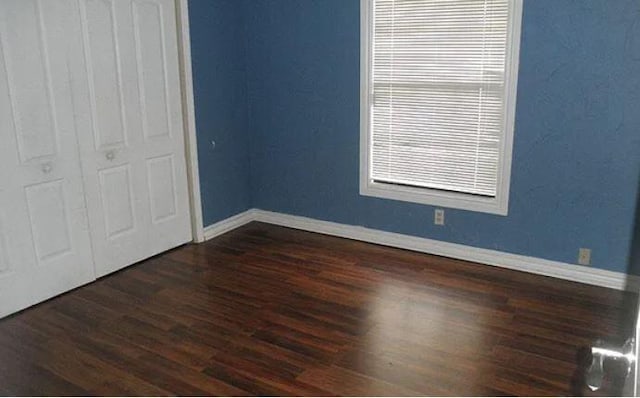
{"x":434,"y":197}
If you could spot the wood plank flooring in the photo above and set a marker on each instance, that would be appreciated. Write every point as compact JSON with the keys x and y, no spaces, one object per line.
{"x":265,"y":310}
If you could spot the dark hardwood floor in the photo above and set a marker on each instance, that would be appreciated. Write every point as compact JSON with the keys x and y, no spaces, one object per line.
{"x":266,"y":310}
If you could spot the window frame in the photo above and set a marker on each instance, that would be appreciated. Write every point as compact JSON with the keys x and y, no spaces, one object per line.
{"x":495,"y":205}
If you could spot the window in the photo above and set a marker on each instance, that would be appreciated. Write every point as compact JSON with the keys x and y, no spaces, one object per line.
{"x":438,"y":81}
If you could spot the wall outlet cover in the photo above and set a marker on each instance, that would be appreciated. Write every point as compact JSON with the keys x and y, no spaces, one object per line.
{"x":584,"y":256}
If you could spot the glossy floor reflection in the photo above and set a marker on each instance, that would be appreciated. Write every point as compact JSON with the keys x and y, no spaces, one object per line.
{"x":267,"y":310}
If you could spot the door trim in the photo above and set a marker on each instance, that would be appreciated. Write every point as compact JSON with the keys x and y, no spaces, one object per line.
{"x":189,"y":118}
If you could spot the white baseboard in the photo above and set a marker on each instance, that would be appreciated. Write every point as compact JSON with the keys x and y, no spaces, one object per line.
{"x":556,"y":269}
{"x":229,"y":224}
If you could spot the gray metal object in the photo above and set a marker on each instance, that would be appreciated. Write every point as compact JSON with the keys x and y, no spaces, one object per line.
{"x":601,"y":351}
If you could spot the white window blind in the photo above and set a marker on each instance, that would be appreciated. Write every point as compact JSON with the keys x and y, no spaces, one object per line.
{"x":438,"y":82}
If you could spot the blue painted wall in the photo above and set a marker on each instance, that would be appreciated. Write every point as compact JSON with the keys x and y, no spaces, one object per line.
{"x":577,"y":139}
{"x":219,"y":73}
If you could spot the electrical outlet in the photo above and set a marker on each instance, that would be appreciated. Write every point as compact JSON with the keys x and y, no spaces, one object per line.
{"x":438,"y":218}
{"x":584,"y":256}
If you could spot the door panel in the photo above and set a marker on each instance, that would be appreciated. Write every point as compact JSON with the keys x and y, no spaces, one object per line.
{"x":48,"y":219}
{"x":134,"y":170}
{"x":44,"y":244}
{"x":151,"y":65}
{"x":107,"y":105}
{"x":162,"y":189}
{"x":29,"y":81}
{"x":115,"y":186}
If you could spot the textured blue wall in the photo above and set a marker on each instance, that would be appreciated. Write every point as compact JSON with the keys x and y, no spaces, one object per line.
{"x":577,"y":138}
{"x":219,"y":73}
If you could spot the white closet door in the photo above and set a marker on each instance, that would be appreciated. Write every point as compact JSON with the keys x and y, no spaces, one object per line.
{"x":132,"y":142}
{"x":44,"y":242}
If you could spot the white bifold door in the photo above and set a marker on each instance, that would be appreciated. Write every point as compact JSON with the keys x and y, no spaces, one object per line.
{"x":132,"y":144}
{"x":44,"y":234}
{"x":92,"y":163}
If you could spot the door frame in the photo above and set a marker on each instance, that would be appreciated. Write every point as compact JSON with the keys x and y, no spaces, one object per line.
{"x":189,"y":119}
